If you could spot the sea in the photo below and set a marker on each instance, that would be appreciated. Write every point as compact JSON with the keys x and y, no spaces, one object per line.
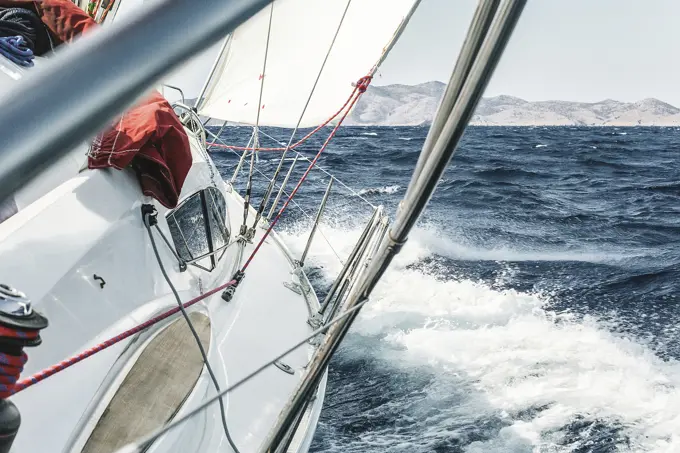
{"x":534,"y":307}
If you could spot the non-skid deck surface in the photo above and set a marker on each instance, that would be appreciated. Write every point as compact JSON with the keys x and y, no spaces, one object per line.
{"x":155,"y":388}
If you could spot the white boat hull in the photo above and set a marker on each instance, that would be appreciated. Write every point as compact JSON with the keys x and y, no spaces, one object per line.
{"x":90,"y":224}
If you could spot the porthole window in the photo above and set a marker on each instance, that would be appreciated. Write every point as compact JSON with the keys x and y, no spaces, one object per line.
{"x":199,"y":228}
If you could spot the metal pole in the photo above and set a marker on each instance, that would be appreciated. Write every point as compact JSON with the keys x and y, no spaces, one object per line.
{"x":377,"y":213}
{"x":220,"y":54}
{"x":360,"y":263}
{"x":270,"y":189}
{"x":420,"y":191}
{"x":240,"y":162}
{"x":413,"y":206}
{"x":481,"y":21}
{"x":283,"y":185}
{"x":77,"y":92}
{"x":336,"y":301}
{"x":319,"y":213}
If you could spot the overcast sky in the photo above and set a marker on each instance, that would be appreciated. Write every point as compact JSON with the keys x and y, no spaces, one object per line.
{"x":577,"y":50}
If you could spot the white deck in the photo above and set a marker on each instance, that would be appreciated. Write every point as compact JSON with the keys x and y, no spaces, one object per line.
{"x":91,"y":224}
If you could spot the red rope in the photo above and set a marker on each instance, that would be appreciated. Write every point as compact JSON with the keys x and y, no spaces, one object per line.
{"x":306,"y":137}
{"x":11,"y":367}
{"x":22,"y":334}
{"x":17,"y":364}
{"x":359,"y":89}
{"x":54,"y":369}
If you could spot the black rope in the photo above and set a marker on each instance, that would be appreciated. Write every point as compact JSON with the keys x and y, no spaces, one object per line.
{"x":25,"y":23}
{"x":146,"y":440}
{"x":193,"y":332}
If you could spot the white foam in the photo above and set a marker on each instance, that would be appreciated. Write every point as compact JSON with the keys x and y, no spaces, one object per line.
{"x":516,"y":353}
{"x":430,"y":240}
{"x":540,"y":146}
{"x":370,"y":134}
{"x":380,"y":190}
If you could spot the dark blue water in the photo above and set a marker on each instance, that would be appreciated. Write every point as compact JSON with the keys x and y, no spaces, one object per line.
{"x":535,"y":307}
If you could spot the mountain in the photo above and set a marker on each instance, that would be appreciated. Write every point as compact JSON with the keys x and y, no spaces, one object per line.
{"x":406,"y":105}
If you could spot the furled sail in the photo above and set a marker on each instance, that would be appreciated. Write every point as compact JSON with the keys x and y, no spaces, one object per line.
{"x":301,"y":34}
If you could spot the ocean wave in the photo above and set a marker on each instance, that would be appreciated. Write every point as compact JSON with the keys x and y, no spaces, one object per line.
{"x":380,"y":190}
{"x":502,"y":173}
{"x":537,"y":311}
{"x":370,"y":134}
{"x":531,"y":378}
{"x":432,"y":241}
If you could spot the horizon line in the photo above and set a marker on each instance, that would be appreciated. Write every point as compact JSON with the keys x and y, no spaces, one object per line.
{"x":526,"y":100}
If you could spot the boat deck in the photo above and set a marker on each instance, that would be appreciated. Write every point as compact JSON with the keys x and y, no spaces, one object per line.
{"x":168,"y":378}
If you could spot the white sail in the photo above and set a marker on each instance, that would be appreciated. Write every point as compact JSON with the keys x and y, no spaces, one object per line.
{"x":301,"y":34}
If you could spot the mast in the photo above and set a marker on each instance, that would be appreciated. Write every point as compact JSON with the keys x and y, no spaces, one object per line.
{"x":417,"y":196}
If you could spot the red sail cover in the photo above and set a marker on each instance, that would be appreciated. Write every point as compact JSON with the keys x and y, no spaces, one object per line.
{"x":149,"y":137}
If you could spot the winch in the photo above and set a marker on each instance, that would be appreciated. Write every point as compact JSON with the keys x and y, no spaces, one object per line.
{"x":20,"y":326}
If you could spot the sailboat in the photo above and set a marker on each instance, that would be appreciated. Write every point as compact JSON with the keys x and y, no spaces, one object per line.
{"x":169,"y":316}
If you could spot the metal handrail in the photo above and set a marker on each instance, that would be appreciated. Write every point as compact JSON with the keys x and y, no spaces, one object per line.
{"x":367,"y":253}
{"x":88,"y":82}
{"x":173,"y":87}
{"x":189,"y":117}
{"x":348,"y":264}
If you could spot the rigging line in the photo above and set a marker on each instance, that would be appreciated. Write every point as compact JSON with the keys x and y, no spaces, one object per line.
{"x":319,"y":229}
{"x":190,"y":324}
{"x":54,"y":369}
{"x":299,"y":154}
{"x":240,"y":161}
{"x":320,"y":168}
{"x":218,"y":134}
{"x":141,"y":444}
{"x":256,"y":141}
{"x":264,"y":66}
{"x":249,"y":189}
{"x":296,"y":204}
{"x":268,"y":192}
{"x":293,"y":146}
{"x":359,"y":89}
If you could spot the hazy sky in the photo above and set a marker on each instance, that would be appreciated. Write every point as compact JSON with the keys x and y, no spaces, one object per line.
{"x":580,"y":50}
